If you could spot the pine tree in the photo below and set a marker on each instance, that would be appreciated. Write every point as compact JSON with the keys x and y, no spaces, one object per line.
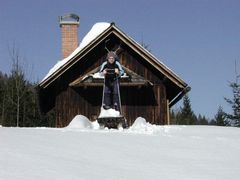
{"x":202,"y":120}
{"x":212,"y":122}
{"x":234,"y":118}
{"x":235,"y":104}
{"x":187,"y":116}
{"x":3,"y":97}
{"x":220,"y":117}
{"x":174,"y":115}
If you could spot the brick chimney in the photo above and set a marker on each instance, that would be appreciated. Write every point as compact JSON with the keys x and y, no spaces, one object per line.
{"x":69,"y":26}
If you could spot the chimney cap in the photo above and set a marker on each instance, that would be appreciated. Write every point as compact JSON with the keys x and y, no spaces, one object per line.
{"x":70,"y":18}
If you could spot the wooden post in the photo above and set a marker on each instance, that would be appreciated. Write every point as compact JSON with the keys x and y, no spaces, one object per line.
{"x":168,"y":113}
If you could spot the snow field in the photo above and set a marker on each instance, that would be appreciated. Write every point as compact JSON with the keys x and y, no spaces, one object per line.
{"x":143,"y":151}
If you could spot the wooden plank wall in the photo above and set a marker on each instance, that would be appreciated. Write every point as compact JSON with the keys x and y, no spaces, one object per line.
{"x":148,"y":103}
{"x":82,"y":101}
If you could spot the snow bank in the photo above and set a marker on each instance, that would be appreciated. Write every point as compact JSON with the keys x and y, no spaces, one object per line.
{"x":109,"y":113}
{"x":80,"y":122}
{"x":96,"y":30}
{"x":140,"y":125}
{"x":194,"y":153}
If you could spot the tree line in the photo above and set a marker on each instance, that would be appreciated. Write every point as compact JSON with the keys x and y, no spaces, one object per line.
{"x":186,"y":116}
{"x":19,"y":105}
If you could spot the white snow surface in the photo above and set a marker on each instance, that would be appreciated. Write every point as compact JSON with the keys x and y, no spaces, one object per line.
{"x":98,"y":75}
{"x":143,"y":151}
{"x":109,"y":113}
{"x":80,"y":122}
{"x":139,"y":123}
{"x":95,"y":31}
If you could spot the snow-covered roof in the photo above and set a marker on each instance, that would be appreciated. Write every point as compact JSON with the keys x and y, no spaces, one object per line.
{"x":95,"y":31}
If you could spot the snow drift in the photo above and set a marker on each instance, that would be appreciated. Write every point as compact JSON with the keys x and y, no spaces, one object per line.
{"x":80,"y":122}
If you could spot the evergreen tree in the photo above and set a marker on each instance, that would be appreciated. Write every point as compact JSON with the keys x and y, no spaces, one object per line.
{"x":234,"y":118}
{"x":202,"y":120}
{"x":2,"y":97}
{"x":220,"y":117}
{"x":187,"y":116}
{"x":172,"y":117}
{"x":235,"y":104}
{"x":213,"y":122}
{"x":29,"y":111}
{"x":175,"y":116}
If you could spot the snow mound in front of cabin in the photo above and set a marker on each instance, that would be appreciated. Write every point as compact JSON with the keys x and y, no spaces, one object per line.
{"x":80,"y":122}
{"x":140,"y":125}
{"x":109,"y":113}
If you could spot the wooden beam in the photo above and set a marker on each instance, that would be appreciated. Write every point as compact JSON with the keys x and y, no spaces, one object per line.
{"x":168,"y":113}
{"x":180,"y":95}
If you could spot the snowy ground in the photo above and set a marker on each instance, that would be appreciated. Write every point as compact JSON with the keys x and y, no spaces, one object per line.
{"x":82,"y":151}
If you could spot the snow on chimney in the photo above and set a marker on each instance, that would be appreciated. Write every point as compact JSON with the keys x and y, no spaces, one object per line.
{"x":69,"y":24}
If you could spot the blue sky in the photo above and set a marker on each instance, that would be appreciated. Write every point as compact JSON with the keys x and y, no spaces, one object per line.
{"x":198,"y":39}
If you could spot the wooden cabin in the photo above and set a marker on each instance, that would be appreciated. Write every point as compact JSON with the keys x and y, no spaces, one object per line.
{"x":149,"y":91}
